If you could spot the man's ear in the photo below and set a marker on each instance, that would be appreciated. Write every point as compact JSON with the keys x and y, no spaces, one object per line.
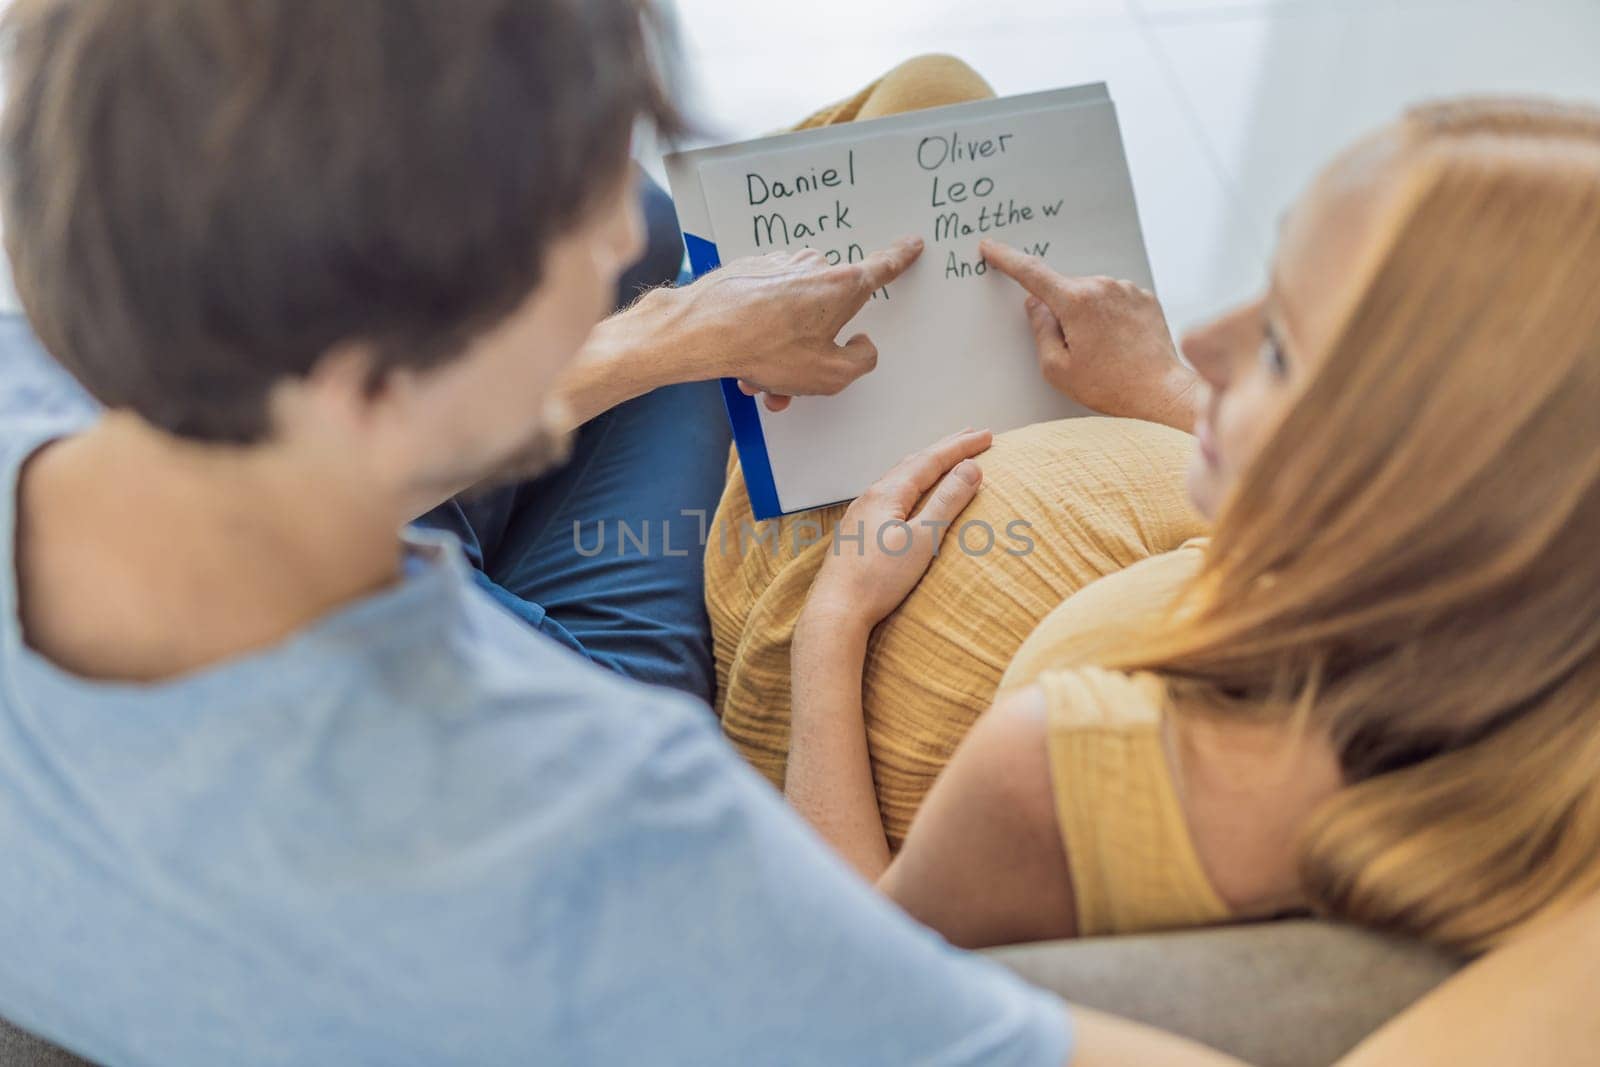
{"x":347,"y":383}
{"x":341,"y":394}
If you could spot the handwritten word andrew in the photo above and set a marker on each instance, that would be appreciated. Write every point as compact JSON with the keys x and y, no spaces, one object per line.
{"x":955,"y":267}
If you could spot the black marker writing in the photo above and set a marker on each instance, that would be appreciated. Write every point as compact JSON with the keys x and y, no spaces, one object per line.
{"x":935,"y":151}
{"x":759,"y":188}
{"x":774,"y":228}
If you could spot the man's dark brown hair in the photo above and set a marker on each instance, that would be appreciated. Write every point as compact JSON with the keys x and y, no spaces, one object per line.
{"x":203,"y":197}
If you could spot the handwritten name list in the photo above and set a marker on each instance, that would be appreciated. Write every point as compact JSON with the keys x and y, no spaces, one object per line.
{"x":1045,"y":174}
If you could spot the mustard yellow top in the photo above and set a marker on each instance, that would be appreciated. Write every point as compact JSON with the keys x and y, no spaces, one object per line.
{"x":1134,"y":865}
{"x":1133,"y":860}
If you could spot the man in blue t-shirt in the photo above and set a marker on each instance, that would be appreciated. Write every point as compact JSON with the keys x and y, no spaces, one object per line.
{"x":279,"y":785}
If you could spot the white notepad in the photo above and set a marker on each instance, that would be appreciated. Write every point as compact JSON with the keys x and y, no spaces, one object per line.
{"x":1044,"y":172}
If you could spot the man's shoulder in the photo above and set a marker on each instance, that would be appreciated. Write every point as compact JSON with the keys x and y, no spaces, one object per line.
{"x":506,"y":668}
{"x":470,"y":720}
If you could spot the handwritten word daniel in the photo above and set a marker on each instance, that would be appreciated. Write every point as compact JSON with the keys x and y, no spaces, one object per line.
{"x":776,"y":227}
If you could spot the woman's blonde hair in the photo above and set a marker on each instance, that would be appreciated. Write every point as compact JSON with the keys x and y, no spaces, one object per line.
{"x":1412,"y":564}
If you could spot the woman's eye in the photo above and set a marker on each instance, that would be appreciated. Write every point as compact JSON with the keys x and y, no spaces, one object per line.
{"x":1273,"y":358}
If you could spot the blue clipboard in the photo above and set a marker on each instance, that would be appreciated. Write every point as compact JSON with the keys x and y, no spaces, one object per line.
{"x":742,"y":414}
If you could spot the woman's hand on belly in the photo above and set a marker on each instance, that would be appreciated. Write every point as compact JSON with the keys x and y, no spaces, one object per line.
{"x":829,"y":776}
{"x":884,"y":543}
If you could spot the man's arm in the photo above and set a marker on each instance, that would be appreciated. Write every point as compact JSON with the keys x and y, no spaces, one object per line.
{"x":1536,"y":1000}
{"x":771,"y":320}
{"x":1106,"y":1041}
{"x":640,"y":348}
{"x":1532,"y":1001}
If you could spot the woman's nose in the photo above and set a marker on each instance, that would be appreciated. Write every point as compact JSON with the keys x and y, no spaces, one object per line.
{"x":1205,"y":347}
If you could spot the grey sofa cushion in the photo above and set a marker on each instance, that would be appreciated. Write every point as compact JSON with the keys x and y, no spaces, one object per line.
{"x":1281,"y":994}
{"x":18,"y":1048}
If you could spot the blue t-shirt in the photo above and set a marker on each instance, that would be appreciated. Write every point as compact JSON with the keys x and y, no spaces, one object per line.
{"x":418,"y":832}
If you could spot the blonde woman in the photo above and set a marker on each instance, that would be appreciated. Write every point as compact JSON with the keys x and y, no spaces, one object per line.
{"x":1374,"y":692}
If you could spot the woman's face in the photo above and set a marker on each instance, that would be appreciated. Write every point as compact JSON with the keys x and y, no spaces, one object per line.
{"x":1256,"y":358}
